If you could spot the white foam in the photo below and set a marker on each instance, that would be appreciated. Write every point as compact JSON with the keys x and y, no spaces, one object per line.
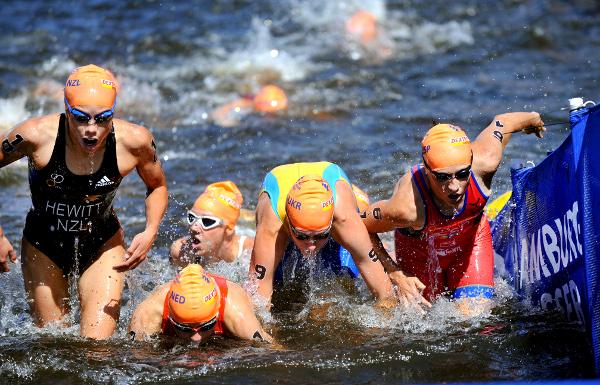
{"x":139,"y":97}
{"x":431,"y":38}
{"x":264,"y":53}
{"x":58,"y":66}
{"x":12,"y":111}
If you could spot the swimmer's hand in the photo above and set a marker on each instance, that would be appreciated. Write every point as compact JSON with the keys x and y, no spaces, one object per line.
{"x":6,"y":252}
{"x":137,"y":251}
{"x":537,"y":130}
{"x":533,"y":124}
{"x":386,"y":303}
{"x":410,"y":290}
{"x":527,"y":122}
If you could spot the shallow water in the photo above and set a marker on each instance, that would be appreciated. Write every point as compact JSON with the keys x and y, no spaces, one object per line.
{"x":461,"y":62}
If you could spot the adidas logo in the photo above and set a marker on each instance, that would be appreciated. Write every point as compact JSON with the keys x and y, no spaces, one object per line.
{"x":104,"y":182}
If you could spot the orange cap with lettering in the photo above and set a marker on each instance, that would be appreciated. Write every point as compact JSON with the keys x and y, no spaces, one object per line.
{"x":91,"y":85}
{"x":223,"y":200}
{"x":194,"y":297}
{"x":309,"y":204}
{"x":362,"y":199}
{"x":363,"y":26}
{"x":270,"y":99}
{"x":446,"y":145}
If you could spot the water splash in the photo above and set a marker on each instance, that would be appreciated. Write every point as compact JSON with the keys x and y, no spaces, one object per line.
{"x":12,"y":111}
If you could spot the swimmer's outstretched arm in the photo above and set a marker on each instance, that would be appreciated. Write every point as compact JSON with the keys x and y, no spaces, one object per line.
{"x":349,"y":231}
{"x":489,"y":145}
{"x":397,"y":212}
{"x":140,"y":145}
{"x":409,"y":289}
{"x":269,"y":245}
{"x":22,"y":140}
{"x":147,"y":317}
{"x":239,"y":318}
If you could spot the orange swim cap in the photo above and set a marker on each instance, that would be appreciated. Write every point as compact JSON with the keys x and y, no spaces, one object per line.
{"x":194,"y":297}
{"x":91,"y":85}
{"x":223,"y":200}
{"x":362,"y":25}
{"x":270,"y":99}
{"x":446,"y":145}
{"x":309,"y":204}
{"x":362,"y":199}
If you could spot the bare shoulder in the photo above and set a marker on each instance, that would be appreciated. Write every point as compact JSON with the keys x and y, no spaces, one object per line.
{"x":33,"y":138}
{"x":403,"y":204}
{"x":403,"y":191}
{"x":147,"y":317}
{"x":266,"y":219}
{"x":484,"y":163}
{"x":239,"y":317}
{"x":237,"y":295}
{"x":153,"y":304}
{"x":37,"y":130}
{"x":404,"y":183}
{"x":135,"y":148}
{"x":236,"y":290}
{"x":132,"y":136}
{"x":158,"y":294}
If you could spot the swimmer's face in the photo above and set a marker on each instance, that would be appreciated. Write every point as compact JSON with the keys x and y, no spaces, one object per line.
{"x":207,"y":233}
{"x":196,"y":333}
{"x":309,"y":242}
{"x":449,"y":184}
{"x":200,"y":337}
{"x":89,"y":126}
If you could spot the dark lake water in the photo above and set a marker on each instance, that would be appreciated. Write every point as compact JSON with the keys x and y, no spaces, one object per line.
{"x":460,"y":61}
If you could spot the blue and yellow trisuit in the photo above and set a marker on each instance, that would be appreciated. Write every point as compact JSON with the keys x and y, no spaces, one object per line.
{"x":277,"y":184}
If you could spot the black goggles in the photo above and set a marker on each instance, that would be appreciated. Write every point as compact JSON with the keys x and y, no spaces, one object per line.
{"x":194,"y":329}
{"x":299,"y":235}
{"x":445,"y":177}
{"x":84,"y":117}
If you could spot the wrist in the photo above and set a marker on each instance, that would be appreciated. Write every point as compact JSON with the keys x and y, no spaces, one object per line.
{"x":151,"y":229}
{"x":391,"y":266}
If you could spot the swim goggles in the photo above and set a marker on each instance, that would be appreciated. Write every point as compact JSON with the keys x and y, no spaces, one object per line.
{"x":207,"y":222}
{"x":84,"y":117}
{"x":301,"y":236}
{"x":445,"y":177}
{"x":206,"y":326}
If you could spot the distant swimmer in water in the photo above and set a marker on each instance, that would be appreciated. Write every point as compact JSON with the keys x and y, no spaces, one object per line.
{"x":269,"y":99}
{"x":6,"y":252}
{"x":77,"y":160}
{"x":197,"y":306}
{"x":300,"y":207}
{"x":212,"y":221}
{"x":443,"y":239}
{"x":364,"y":30}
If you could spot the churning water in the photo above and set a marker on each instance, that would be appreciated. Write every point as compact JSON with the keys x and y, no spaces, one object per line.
{"x":365,"y":109}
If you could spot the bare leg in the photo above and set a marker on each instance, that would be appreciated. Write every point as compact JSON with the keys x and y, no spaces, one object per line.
{"x":46,"y":285}
{"x":100,"y":289}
